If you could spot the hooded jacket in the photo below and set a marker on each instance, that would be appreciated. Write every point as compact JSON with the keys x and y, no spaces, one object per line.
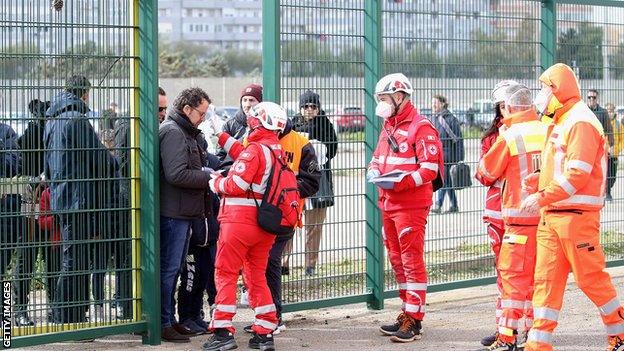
{"x":183,"y":183}
{"x":574,"y":166}
{"x":75,"y":160}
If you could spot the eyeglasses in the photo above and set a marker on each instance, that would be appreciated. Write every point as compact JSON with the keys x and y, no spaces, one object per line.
{"x":592,"y":97}
{"x":201,"y":114}
{"x":310,"y":106}
{"x":161,"y":108}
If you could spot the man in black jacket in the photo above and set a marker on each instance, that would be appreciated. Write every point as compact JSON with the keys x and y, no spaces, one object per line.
{"x":183,"y":183}
{"x":601,"y":114}
{"x":236,"y":127}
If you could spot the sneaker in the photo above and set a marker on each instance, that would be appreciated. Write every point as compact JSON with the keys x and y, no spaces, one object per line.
{"x":193,"y":327}
{"x":489,"y":340}
{"x":262,"y":342}
{"x":221,"y":340}
{"x":436,"y":210}
{"x":248,"y":329}
{"x":409,"y":330}
{"x":615,"y":344}
{"x":500,"y":345}
{"x":171,"y":335}
{"x":452,"y":210}
{"x":183,"y":329}
{"x":609,"y":198}
{"x":24,"y":321}
{"x":390,"y":329}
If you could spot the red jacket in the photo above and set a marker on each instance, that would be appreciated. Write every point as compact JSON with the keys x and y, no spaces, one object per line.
{"x":423,"y":159}
{"x":492,"y":213}
{"x":250,"y":170}
{"x":46,"y":219}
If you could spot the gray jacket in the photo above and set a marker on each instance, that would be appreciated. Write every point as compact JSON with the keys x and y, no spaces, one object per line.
{"x":78,"y":167}
{"x":182,"y":181}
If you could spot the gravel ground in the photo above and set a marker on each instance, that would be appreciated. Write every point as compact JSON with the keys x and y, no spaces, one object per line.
{"x":456,"y":320}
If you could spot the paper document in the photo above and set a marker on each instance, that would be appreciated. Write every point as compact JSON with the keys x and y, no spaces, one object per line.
{"x":393,"y":177}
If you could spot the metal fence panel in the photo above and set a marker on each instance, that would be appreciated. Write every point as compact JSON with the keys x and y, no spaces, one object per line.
{"x":69,"y":167}
{"x":456,"y":49}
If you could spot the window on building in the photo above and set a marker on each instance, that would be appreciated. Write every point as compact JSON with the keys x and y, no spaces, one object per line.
{"x":229,"y":12}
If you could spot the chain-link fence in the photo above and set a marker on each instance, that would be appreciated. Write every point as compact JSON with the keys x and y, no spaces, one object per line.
{"x":69,"y":168}
{"x":459,"y":50}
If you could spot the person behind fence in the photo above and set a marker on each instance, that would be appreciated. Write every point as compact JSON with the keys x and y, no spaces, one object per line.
{"x":50,"y":230}
{"x":408,"y":145}
{"x":492,"y":215}
{"x":453,"y":144}
{"x":162,"y":104}
{"x":314,"y":124}
{"x":243,"y":243}
{"x":183,"y":183}
{"x":601,"y":114}
{"x":75,"y":163}
{"x":301,"y":158}
{"x":514,"y":155}
{"x":236,"y":127}
{"x":569,"y":191}
{"x":615,"y":149}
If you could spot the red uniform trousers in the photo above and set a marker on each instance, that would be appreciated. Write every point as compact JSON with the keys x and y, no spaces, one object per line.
{"x":243,"y":246}
{"x":404,"y":237}
{"x":517,"y":266}
{"x":495,"y":232}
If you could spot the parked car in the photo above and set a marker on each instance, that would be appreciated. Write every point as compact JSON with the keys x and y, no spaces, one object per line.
{"x":483,"y":112}
{"x":350,"y":119}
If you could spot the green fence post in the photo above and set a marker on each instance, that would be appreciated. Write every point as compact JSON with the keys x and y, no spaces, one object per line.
{"x":148,"y":165}
{"x":548,"y":34}
{"x":271,"y":50}
{"x":374,"y":246}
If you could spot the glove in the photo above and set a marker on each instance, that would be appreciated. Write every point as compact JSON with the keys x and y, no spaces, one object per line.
{"x":215,"y":124}
{"x":372,"y":173}
{"x":212,"y":182}
{"x":530,"y":204}
{"x":530,"y":182}
{"x":406,"y":183}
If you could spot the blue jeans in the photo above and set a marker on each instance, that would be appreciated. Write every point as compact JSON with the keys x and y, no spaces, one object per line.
{"x":174,"y":238}
{"x":448,"y":189}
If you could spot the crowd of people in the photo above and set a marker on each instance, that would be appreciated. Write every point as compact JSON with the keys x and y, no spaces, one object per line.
{"x":548,"y":164}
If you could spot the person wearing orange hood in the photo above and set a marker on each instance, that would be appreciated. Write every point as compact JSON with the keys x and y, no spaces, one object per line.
{"x":514,"y":155}
{"x":569,"y":191}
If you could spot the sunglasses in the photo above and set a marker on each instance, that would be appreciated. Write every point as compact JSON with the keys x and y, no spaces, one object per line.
{"x":591,"y":97}
{"x":161,"y":108}
{"x":310,"y":106}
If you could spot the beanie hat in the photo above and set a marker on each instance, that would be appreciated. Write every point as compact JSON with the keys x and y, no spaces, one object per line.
{"x":254,"y":90}
{"x":309,"y":97}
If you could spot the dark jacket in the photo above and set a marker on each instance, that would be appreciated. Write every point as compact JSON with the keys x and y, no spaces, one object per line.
{"x":74,"y":159}
{"x":453,"y":147}
{"x":31,"y":144}
{"x":10,"y":157}
{"x":183,"y":183}
{"x":603,"y":117}
{"x":321,"y":129}
{"x":235,"y":127}
{"x":309,"y":173}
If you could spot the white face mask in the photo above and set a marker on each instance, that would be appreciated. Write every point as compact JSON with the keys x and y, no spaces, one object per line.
{"x":543,"y":99}
{"x":384,"y":110}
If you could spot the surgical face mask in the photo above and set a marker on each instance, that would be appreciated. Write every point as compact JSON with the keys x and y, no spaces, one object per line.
{"x":542,"y":100}
{"x":384,"y":110}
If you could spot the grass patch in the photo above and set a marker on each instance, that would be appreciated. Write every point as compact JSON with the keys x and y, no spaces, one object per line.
{"x":612,"y":244}
{"x":472,"y":132}
{"x":351,"y":136}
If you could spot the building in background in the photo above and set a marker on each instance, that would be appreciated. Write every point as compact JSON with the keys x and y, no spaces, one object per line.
{"x":216,"y":24}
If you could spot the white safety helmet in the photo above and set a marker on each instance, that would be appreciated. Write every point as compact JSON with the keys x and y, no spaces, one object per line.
{"x":498,"y":93}
{"x":392,"y":83}
{"x":271,"y":115}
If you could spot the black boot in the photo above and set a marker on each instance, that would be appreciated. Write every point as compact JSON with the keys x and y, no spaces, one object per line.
{"x":262,"y":342}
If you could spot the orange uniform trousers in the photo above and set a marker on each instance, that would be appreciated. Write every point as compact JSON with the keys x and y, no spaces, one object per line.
{"x":516,"y":265}
{"x":495,"y":233}
{"x":570,"y":239}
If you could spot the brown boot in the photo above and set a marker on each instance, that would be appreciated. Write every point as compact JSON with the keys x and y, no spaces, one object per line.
{"x":390,"y":329}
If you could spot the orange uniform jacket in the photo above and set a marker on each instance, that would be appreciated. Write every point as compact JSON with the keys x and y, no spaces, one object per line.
{"x":574,"y":160}
{"x":514,"y":155}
